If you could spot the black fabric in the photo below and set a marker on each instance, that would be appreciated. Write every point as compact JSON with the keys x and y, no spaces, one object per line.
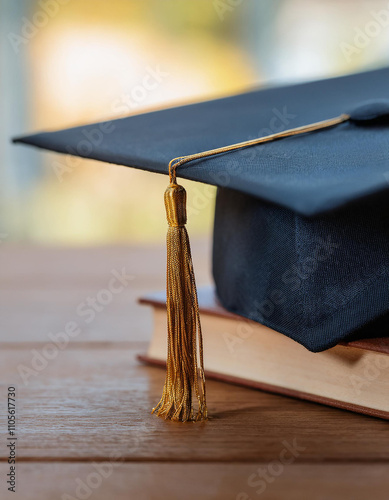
{"x":310,"y":174}
{"x":282,"y":204}
{"x":314,"y":279}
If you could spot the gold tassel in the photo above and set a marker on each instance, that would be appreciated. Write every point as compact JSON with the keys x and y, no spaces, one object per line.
{"x":185,"y":381}
{"x":183,"y":395}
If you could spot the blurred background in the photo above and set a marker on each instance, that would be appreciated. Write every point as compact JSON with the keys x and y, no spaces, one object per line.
{"x":69,"y":62}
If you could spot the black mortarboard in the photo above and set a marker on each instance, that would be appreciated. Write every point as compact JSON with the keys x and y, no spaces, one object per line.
{"x":301,"y":238}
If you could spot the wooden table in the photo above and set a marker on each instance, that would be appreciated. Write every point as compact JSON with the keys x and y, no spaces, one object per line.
{"x":84,"y":428}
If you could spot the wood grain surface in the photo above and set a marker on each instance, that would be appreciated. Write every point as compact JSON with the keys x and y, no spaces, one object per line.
{"x":88,"y":406}
{"x":196,"y":481}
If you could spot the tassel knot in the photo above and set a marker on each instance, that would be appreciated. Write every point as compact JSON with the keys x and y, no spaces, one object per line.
{"x":175,"y":204}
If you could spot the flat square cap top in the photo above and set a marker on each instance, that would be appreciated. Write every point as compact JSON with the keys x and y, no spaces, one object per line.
{"x":310,"y":173}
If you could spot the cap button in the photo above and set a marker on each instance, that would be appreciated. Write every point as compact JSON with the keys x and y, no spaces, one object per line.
{"x":370,"y":111}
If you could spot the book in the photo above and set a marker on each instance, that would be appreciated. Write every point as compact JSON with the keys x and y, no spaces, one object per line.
{"x":352,"y":375}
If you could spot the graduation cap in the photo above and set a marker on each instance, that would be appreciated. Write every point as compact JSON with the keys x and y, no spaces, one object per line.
{"x":301,"y":234}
